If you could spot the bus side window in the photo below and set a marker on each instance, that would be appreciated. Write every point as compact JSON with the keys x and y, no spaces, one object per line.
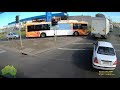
{"x":79,"y":26}
{"x":45,"y":27}
{"x":75,"y":26}
{"x":83,"y":26}
{"x":30,"y":28}
{"x":37,"y":27}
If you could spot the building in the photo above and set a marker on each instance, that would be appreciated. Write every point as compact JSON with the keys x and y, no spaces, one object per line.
{"x":12,"y":25}
{"x":43,"y":17}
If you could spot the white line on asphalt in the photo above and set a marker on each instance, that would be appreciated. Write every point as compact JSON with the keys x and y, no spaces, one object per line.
{"x":2,"y":51}
{"x":91,"y":43}
{"x":73,"y":49}
{"x":76,"y":49}
{"x":82,"y":43}
{"x":116,"y":44}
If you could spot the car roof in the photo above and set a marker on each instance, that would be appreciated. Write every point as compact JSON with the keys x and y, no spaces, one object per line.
{"x":105,"y":44}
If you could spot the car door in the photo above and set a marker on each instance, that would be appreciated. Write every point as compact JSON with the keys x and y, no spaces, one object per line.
{"x":94,"y":50}
{"x":8,"y":35}
{"x":11,"y":35}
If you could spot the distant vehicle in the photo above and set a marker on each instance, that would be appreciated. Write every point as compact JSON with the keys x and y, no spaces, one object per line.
{"x":100,"y":27}
{"x":12,"y":35}
{"x":104,"y":56}
{"x":64,"y":27}
{"x":111,"y":27}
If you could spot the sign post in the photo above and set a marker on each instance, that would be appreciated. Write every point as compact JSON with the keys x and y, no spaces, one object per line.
{"x":18,"y":25}
{"x":20,"y":37}
{"x":54,"y":23}
{"x":55,"y":32}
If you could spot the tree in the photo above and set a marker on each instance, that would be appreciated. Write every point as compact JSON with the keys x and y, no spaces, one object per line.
{"x":100,"y":15}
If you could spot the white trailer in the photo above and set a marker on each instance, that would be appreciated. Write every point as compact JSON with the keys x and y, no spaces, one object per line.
{"x":100,"y":27}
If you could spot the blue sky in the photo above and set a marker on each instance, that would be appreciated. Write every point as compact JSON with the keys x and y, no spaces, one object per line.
{"x":8,"y":17}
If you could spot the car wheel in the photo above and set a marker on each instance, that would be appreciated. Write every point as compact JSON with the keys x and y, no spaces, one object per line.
{"x":7,"y":38}
{"x":15,"y":37}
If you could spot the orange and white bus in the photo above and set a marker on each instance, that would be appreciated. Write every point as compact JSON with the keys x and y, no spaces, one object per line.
{"x":64,"y":27}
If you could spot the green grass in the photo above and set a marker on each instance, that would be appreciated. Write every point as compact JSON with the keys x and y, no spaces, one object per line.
{"x":2,"y":35}
{"x":23,"y":33}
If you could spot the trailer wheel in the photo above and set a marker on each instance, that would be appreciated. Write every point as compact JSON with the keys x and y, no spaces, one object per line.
{"x":43,"y":35}
{"x":75,"y":33}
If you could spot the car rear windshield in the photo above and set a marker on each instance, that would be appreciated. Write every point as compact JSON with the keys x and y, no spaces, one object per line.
{"x":105,"y":50}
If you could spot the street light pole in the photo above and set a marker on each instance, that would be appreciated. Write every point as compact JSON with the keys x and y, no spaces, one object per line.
{"x":54,"y":33}
{"x":18,"y":22}
{"x":21,"y":44}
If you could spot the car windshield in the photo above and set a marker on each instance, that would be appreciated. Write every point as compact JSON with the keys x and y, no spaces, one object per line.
{"x":14,"y":34}
{"x":105,"y":50}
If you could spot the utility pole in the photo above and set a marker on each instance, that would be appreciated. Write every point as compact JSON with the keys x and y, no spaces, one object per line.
{"x":54,"y":23}
{"x":18,"y":23}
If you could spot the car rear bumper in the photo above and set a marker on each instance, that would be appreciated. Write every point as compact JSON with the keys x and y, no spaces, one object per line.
{"x":103,"y":68}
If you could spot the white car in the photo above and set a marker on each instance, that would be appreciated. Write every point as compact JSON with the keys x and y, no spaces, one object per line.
{"x":104,"y":56}
{"x":12,"y":35}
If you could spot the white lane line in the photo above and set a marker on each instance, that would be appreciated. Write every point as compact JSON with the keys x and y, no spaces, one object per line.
{"x":117,"y":50}
{"x":74,"y":49}
{"x":91,"y":43}
{"x":2,"y":51}
{"x":82,"y":43}
{"x":116,"y":44}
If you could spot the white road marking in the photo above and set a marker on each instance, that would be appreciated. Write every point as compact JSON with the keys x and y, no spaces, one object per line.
{"x":82,"y":43}
{"x":1,"y":51}
{"x":77,"y":49}
{"x":116,"y":44}
{"x":73,"y":49}
{"x":91,"y":43}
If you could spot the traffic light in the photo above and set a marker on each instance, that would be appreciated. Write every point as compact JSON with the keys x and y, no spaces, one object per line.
{"x":54,"y":22}
{"x":17,"y":19}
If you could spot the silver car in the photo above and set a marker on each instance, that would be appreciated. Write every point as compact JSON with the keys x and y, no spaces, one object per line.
{"x":12,"y":35}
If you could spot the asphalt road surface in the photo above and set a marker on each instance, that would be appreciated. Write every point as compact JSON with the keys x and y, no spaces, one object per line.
{"x":71,"y":61}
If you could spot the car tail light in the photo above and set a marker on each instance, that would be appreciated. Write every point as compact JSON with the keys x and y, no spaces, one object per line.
{"x":95,"y":60}
{"x":115,"y":63}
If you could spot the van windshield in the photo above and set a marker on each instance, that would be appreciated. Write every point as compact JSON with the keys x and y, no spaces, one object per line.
{"x":105,"y":50}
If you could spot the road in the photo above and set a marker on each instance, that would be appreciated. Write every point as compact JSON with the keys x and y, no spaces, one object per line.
{"x":71,"y":61}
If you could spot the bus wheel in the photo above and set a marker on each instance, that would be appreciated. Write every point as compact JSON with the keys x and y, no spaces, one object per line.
{"x":76,"y":34}
{"x":43,"y":35}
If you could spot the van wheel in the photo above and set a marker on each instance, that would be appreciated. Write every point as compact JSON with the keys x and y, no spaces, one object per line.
{"x":43,"y":35}
{"x":76,"y":34}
